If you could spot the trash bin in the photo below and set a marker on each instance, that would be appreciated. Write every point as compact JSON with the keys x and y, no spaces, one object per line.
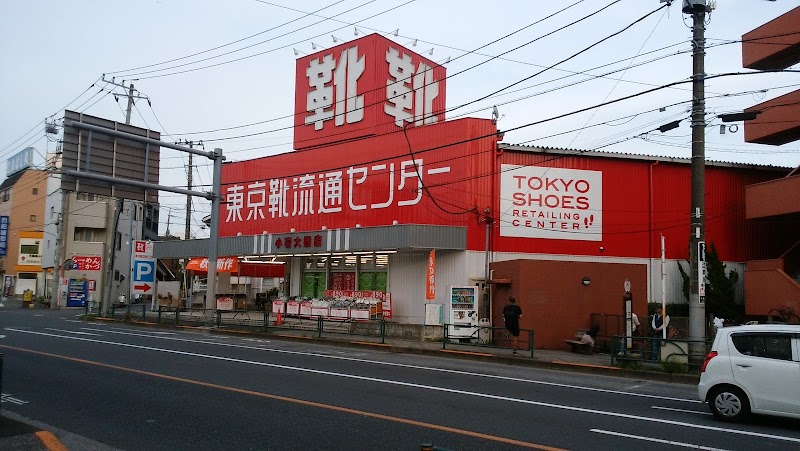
{"x":485,"y":331}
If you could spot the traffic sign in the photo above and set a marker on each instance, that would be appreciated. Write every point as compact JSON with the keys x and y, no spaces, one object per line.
{"x":144,"y":276}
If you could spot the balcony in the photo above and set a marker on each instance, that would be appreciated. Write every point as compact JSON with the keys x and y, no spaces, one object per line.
{"x":773,"y":198}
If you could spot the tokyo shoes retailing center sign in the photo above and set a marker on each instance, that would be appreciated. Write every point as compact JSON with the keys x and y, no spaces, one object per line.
{"x":551,"y":203}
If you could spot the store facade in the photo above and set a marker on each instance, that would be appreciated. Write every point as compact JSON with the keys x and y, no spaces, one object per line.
{"x":379,"y":179}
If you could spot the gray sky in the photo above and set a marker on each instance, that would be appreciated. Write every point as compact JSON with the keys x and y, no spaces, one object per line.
{"x":52,"y":51}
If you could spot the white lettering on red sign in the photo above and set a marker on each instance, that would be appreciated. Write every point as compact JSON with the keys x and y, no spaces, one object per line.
{"x":330,"y":194}
{"x":339,"y":100}
{"x":552,"y":203}
{"x":403,"y":81}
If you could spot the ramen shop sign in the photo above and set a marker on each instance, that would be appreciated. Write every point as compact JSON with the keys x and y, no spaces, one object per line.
{"x":551,"y":203}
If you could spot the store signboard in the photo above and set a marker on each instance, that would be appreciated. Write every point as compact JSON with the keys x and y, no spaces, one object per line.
{"x":367,"y":86}
{"x":19,"y":161}
{"x":30,"y":251}
{"x":551,"y":203}
{"x":3,"y":235}
{"x":86,"y":263}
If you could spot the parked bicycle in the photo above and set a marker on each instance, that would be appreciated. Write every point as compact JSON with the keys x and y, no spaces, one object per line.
{"x":784,"y":314}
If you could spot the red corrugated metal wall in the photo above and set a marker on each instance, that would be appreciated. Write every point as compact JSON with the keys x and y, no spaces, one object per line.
{"x":643,"y":199}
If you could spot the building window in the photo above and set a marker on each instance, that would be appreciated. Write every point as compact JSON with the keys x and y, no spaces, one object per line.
{"x":119,"y":241}
{"x":89,"y":197}
{"x":35,"y":191}
{"x":5,"y":195}
{"x":52,"y":212}
{"x":88,"y":234}
{"x":33,"y":218}
{"x":29,"y":249}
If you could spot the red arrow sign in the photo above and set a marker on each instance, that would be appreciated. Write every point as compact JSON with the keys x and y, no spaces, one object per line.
{"x":144,"y":287}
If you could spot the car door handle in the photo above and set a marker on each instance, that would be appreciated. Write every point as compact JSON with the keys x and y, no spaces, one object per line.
{"x":743,"y":365}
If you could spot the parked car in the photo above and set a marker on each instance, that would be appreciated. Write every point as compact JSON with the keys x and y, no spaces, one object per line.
{"x":753,"y":368}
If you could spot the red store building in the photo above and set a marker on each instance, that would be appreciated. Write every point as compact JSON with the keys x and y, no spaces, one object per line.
{"x":379,"y":179}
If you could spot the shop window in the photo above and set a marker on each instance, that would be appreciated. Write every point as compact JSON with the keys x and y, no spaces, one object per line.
{"x":314,"y":284}
{"x":88,"y":234}
{"x":373,"y":281}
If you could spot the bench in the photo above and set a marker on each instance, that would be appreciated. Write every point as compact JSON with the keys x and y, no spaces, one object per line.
{"x":578,"y":345}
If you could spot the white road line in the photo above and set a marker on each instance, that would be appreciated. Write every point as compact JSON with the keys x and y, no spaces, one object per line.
{"x":2,"y":336}
{"x":71,"y":332}
{"x":415,"y":367}
{"x":427,"y":387}
{"x":73,"y":321}
{"x":681,"y":410}
{"x":656,"y":440}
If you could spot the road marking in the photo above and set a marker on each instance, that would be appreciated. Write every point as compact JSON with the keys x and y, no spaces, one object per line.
{"x":71,"y":332}
{"x":656,"y":440}
{"x":72,"y":321}
{"x":50,"y":441}
{"x":2,"y":336}
{"x":681,"y":410}
{"x":6,"y":397}
{"x":359,"y":413}
{"x":398,"y":383}
{"x":256,"y":340}
{"x":415,"y":367}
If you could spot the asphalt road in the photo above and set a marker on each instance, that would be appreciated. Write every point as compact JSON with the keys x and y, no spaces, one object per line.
{"x":145,"y":388}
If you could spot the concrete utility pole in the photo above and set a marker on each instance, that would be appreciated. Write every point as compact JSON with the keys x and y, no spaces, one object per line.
{"x":129,"y":94}
{"x":186,"y":234}
{"x":697,"y":9}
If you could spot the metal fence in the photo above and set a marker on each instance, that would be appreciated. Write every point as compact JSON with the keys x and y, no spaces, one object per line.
{"x":486,"y":337}
{"x":673,"y":355}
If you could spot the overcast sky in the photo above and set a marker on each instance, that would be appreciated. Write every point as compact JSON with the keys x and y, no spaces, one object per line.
{"x":53,"y":51}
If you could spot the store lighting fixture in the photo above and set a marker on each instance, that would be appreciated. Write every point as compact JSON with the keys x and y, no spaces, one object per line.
{"x":386,"y":252}
{"x":302,"y":255}
{"x":340,"y":253}
{"x":363,"y":253}
{"x":323,"y":254}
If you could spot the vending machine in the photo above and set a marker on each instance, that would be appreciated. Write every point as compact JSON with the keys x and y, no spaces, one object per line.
{"x":463,"y":312}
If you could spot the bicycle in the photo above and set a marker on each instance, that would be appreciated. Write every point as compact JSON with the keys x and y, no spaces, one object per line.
{"x":785,"y":314}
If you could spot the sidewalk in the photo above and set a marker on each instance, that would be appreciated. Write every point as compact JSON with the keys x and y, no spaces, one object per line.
{"x":564,"y":360}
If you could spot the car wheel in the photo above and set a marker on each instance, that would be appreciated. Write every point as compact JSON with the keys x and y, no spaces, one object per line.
{"x":729,"y":403}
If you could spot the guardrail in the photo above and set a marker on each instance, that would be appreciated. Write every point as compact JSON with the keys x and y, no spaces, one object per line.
{"x":486,"y":337}
{"x":673,"y":355}
{"x":252,"y":320}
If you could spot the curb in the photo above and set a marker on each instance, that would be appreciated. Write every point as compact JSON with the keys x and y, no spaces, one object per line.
{"x":447,"y":353}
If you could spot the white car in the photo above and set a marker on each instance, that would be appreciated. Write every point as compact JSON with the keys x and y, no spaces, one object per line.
{"x":753,"y":368}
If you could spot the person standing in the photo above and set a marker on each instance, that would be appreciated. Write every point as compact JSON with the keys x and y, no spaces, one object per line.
{"x":511,"y":315}
{"x":660,"y":323}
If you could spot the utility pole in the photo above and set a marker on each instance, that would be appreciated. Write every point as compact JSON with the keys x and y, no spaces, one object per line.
{"x":187,"y":232}
{"x":129,"y":94}
{"x":697,"y":9}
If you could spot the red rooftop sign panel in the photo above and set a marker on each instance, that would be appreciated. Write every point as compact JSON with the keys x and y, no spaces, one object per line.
{"x":368,"y":86}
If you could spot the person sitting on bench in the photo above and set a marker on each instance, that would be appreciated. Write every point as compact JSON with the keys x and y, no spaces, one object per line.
{"x":590,"y":336}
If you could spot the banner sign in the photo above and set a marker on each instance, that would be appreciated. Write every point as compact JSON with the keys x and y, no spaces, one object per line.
{"x":3,"y":235}
{"x":224,"y":264}
{"x":551,"y":203}
{"x":430,"y":277}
